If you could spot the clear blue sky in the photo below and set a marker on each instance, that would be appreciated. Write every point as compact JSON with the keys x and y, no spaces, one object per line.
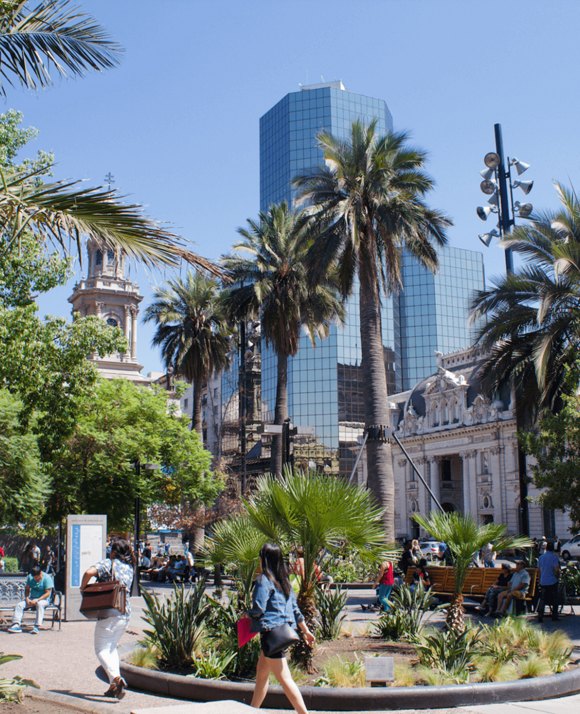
{"x":177,"y":121}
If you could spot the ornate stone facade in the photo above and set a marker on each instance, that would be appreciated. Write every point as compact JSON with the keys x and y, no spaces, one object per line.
{"x":107,"y":294}
{"x":464,"y":444}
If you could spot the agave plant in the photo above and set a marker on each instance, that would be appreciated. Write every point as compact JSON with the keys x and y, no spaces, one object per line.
{"x":177,"y":623}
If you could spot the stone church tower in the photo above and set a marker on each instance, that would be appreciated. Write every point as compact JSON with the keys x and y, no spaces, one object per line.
{"x":107,"y":294}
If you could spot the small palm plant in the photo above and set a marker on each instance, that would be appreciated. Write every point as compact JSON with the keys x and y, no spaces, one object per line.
{"x":464,"y":537}
{"x":12,"y":688}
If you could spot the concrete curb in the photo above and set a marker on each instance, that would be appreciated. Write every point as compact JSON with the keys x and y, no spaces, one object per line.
{"x":359,"y":699}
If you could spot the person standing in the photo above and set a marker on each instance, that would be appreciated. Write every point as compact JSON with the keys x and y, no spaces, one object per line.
{"x":37,"y":594}
{"x":273,"y":605}
{"x":384,"y":584}
{"x":549,"y":566}
{"x":488,"y":555}
{"x":119,"y":566}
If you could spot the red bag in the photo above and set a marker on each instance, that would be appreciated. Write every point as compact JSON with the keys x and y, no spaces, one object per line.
{"x":244,"y":628}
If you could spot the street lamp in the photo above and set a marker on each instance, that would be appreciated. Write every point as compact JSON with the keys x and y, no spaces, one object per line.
{"x":497,"y":183}
{"x":135,"y":589}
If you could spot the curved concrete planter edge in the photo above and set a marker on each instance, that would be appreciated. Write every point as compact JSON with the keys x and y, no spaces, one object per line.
{"x":360,"y":699}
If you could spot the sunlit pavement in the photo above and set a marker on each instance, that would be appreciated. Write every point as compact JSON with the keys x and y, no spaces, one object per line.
{"x":64,"y":662}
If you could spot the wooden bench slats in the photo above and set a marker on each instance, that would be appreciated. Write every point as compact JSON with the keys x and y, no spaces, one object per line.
{"x":477,"y":580}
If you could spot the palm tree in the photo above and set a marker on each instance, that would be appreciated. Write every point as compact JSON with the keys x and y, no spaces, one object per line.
{"x":367,"y":203}
{"x":272,"y":285}
{"x":464,"y":537}
{"x":54,"y":37}
{"x":191,"y":331}
{"x":531,"y":318}
{"x":310,"y":510}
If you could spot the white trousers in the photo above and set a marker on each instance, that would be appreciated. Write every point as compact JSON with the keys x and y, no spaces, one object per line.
{"x":108,"y":632}
{"x":40,"y":608}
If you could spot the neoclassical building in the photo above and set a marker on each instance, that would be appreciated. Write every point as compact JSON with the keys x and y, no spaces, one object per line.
{"x":464,"y":443}
{"x":109,"y":295}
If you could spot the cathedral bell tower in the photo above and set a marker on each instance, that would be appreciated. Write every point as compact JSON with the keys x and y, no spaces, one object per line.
{"x":107,"y":294}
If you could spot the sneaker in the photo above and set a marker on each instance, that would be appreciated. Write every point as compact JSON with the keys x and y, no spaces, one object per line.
{"x":34,"y":630}
{"x":15,"y":628}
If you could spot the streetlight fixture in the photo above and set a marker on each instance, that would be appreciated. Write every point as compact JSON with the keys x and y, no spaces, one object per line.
{"x":137,"y":465}
{"x":497,"y":184}
{"x":498,"y":174}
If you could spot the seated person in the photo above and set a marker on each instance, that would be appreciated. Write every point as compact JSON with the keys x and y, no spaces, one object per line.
{"x":489,"y":603}
{"x":37,"y":593}
{"x":517,"y":588}
{"x":421,"y":575}
{"x":158,"y":568}
{"x":176,"y":570}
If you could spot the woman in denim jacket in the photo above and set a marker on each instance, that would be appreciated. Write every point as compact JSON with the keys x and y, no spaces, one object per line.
{"x":274,"y":604}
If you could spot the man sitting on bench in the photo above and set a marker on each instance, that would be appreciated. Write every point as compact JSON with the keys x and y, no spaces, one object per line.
{"x":517,"y":588}
{"x":37,"y":592}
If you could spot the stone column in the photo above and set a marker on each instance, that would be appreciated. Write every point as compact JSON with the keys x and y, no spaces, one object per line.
{"x":100,"y":306}
{"x":133,"y":332}
{"x":126,"y":326}
{"x":435,"y":482}
{"x":469,"y":485}
{"x":496,"y":481}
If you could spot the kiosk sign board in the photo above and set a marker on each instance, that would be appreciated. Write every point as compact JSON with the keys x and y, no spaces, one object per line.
{"x":85,"y":545}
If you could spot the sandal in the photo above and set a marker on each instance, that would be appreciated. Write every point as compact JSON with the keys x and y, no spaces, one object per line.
{"x":117,"y":688}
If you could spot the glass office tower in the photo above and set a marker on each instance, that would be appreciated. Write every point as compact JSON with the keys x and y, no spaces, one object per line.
{"x":324,"y":381}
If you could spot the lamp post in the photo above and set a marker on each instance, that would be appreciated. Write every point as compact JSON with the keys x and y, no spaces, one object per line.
{"x":135,"y":587}
{"x":498,"y":185}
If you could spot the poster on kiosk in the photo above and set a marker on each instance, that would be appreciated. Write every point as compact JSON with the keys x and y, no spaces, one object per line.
{"x":86,"y":542}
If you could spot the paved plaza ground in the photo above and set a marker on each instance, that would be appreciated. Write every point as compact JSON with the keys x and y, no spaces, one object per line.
{"x":63,"y":663}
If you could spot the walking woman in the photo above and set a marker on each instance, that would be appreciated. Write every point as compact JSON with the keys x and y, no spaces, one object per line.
{"x":109,"y":630}
{"x":274,"y":604}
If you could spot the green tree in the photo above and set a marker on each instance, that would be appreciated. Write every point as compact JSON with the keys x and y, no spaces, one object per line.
{"x":272,"y":285}
{"x":24,"y":482}
{"x":464,"y":537}
{"x":531,"y":318}
{"x":317,"y":512}
{"x":367,"y":203}
{"x":192,"y":332}
{"x":121,"y":424}
{"x":555,"y":446}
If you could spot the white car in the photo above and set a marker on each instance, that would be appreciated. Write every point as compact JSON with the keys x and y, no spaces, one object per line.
{"x":571,"y":549}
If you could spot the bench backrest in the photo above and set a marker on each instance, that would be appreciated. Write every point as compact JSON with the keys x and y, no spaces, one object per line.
{"x":12,"y":589}
{"x":477,"y":581}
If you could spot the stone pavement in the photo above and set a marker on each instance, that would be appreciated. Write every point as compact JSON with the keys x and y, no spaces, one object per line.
{"x":64,"y":663}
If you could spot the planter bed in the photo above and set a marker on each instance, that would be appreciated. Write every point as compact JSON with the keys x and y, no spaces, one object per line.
{"x":360,"y":699}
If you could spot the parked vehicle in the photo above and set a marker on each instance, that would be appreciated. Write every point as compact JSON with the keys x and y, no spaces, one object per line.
{"x":571,"y":549}
{"x":432,"y":549}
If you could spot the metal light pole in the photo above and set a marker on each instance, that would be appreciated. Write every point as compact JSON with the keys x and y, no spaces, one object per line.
{"x":135,"y":588}
{"x":498,"y":185}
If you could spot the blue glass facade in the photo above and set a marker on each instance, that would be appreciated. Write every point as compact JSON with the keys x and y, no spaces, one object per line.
{"x":433,"y":311}
{"x":324,"y":381}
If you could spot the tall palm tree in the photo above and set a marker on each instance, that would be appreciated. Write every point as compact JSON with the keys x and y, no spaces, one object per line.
{"x":531,"y":318}
{"x":367,"y":203}
{"x":272,"y":285}
{"x":310,"y":510}
{"x":191,"y":331}
{"x":464,"y":537}
{"x":54,"y":37}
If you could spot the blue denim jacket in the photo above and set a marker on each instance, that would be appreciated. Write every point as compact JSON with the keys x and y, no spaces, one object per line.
{"x":270,"y":608}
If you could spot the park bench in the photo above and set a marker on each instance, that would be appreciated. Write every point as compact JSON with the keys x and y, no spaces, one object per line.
{"x":12,"y":592}
{"x":477,"y":581}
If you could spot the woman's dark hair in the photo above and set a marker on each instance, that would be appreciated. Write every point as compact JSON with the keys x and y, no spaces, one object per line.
{"x":274,"y":567}
{"x":121,"y":549}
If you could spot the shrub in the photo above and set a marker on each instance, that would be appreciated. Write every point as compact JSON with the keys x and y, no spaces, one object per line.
{"x":405,"y":618}
{"x":534,"y":666}
{"x":490,"y":669}
{"x":339,"y":672}
{"x":213,"y":665}
{"x":146,"y":657}
{"x":177,"y":623}
{"x":331,"y":604}
{"x":571,"y":579}
{"x":10,"y":564}
{"x":405,"y":675}
{"x":450,"y":653}
{"x":12,"y":689}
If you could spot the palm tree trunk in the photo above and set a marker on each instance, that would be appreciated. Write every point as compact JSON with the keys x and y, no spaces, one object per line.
{"x":379,"y":459}
{"x":455,"y":619}
{"x":280,"y":413}
{"x":196,"y":423}
{"x":302,"y":652}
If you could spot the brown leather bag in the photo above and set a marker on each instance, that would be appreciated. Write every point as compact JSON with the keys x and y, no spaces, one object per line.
{"x":100,"y":600}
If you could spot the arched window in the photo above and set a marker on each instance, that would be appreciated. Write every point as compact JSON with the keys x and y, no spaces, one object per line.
{"x":99,"y":257}
{"x":112,"y":322}
{"x":110,"y":256}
